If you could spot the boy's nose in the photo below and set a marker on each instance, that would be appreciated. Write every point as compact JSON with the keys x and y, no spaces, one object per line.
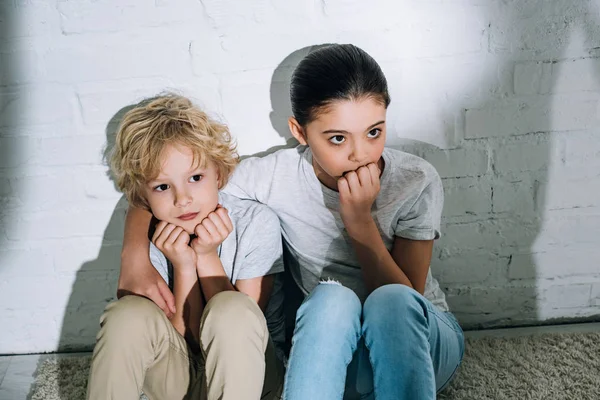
{"x":182,"y":199}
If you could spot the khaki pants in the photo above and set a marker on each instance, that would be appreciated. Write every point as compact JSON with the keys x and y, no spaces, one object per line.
{"x":138,"y":350}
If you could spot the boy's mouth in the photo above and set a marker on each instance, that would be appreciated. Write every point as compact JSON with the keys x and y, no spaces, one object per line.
{"x":188,"y":216}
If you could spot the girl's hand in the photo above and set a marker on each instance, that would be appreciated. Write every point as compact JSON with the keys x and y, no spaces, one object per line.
{"x":211,"y":232}
{"x":358,"y":191}
{"x":173,"y":241}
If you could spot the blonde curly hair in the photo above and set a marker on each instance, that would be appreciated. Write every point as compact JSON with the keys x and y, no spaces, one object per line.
{"x":164,"y":120}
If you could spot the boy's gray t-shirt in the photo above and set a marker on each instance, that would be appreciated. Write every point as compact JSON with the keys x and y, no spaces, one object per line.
{"x":253,"y":249}
{"x":317,"y":246}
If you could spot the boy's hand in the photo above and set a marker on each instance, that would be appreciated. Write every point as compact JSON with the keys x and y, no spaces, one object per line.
{"x":211,"y":232}
{"x":173,"y":241}
{"x":358,"y":191}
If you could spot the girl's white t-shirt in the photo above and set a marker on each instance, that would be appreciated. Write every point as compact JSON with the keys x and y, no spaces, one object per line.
{"x":316,"y":244}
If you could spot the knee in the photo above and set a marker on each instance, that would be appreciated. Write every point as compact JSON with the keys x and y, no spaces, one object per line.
{"x":233,"y":314}
{"x":330,"y":306}
{"x":394,"y":302}
{"x":130,"y":317}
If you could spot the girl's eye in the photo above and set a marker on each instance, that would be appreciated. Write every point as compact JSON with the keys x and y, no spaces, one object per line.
{"x":161,"y":188}
{"x":195,"y":178}
{"x":373,"y":133}
{"x":338,"y":139}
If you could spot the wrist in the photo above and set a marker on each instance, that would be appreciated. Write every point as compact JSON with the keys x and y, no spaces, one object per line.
{"x":358,"y":224}
{"x":184,"y":268}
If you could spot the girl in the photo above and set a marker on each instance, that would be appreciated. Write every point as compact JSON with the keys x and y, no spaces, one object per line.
{"x":358,"y":222}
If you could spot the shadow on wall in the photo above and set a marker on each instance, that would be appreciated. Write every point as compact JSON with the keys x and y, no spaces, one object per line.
{"x":486,"y":259}
{"x":494,"y":179}
{"x":96,"y":281}
{"x":12,"y":147}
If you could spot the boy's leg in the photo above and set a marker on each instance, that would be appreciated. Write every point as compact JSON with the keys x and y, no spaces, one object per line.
{"x":325,"y":338}
{"x":414,"y":348}
{"x":235,"y":344}
{"x":138,"y":349}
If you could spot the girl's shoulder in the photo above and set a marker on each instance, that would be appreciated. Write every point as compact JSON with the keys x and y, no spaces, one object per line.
{"x":405,"y":166}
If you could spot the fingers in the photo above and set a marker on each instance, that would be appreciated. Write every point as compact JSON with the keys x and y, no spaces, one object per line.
{"x":167,"y":297}
{"x":353,"y":181}
{"x":221,"y":222}
{"x":158,"y":231}
{"x":343,"y":187}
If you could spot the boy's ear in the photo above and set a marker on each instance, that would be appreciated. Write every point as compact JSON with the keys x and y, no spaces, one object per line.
{"x":297,"y":130}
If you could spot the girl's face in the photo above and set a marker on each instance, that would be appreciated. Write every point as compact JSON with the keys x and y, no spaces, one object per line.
{"x":344,"y":137}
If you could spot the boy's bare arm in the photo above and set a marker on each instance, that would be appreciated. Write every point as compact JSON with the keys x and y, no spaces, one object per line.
{"x":210,"y":233}
{"x":259,"y":289}
{"x":173,"y":242}
{"x":138,"y":276}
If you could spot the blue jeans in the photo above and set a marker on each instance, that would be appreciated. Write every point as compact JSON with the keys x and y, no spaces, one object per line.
{"x":397,"y":346}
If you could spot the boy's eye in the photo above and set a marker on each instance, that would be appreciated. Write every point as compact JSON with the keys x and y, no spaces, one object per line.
{"x":373,"y":133}
{"x":338,"y":139}
{"x":195,"y":178}
{"x":161,"y":188}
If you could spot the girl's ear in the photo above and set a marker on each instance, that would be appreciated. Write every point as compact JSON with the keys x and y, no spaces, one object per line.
{"x":297,"y":130}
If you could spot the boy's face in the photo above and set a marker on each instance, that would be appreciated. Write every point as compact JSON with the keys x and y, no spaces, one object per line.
{"x":182,"y":194}
{"x":345,"y":137}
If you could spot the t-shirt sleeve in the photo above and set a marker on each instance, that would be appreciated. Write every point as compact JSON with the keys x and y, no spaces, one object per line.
{"x":252,"y":179}
{"x":261,"y":244}
{"x":422,"y":222}
{"x":159,"y":261}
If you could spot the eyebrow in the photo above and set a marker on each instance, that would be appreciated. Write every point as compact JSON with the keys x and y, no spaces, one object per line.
{"x":346,"y":132}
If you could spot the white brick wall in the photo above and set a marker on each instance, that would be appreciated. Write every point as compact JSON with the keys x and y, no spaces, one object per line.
{"x":502,"y":97}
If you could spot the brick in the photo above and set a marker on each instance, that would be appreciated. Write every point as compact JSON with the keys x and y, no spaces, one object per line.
{"x":582,"y":150}
{"x":443,"y":29}
{"x":34,"y":18}
{"x":595,"y":296}
{"x":25,"y":262}
{"x":76,"y":150}
{"x":55,"y":190}
{"x":41,"y":104}
{"x":532,"y":78}
{"x":61,"y":224}
{"x":579,"y":229}
{"x":564,"y":193}
{"x":580,"y":75}
{"x":90,"y":62}
{"x":542,"y":114}
{"x":239,"y":52}
{"x":16,"y":151}
{"x":458,"y":163}
{"x":553,"y":264}
{"x":102,"y":105}
{"x":551,"y":37}
{"x":466,"y":196}
{"x":493,"y":235}
{"x":93,"y":257}
{"x":470,"y":268}
{"x":523,"y":157}
{"x":106,"y":16}
{"x":497,"y":301}
{"x":514,"y":197}
{"x":566,"y":296}
{"x":19,"y":67}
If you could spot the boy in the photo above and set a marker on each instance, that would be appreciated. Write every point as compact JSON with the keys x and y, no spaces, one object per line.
{"x":172,"y":159}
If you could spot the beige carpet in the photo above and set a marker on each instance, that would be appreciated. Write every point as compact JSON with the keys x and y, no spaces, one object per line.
{"x":552,"y":366}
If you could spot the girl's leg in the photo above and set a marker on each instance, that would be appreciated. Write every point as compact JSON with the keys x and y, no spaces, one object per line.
{"x":325,"y":338}
{"x":414,"y":348}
